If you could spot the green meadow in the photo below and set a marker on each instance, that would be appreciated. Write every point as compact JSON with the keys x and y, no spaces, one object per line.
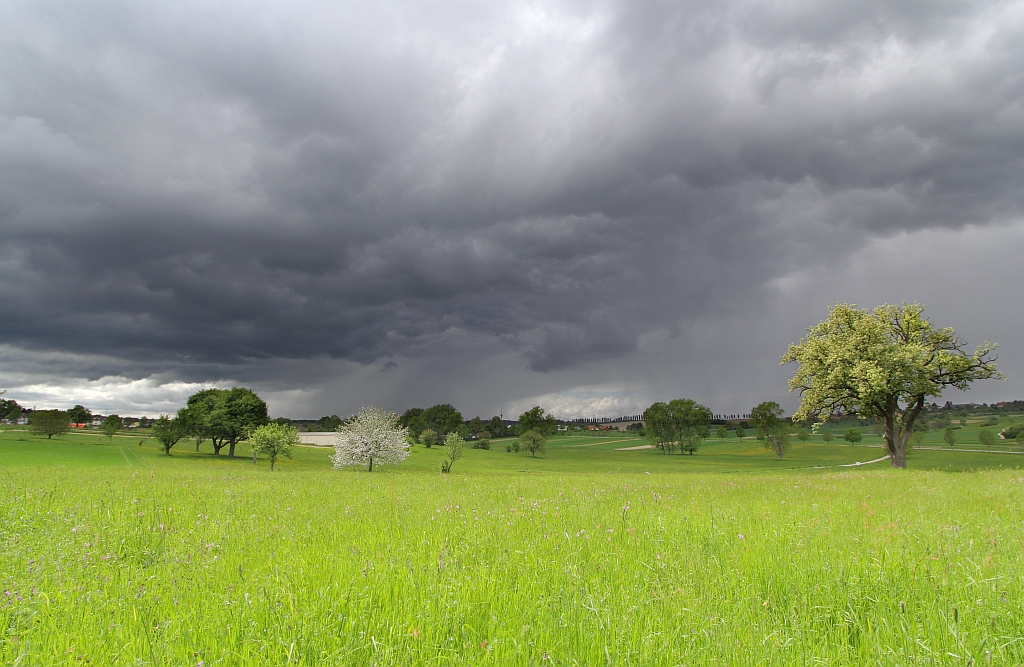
{"x":114,"y":554}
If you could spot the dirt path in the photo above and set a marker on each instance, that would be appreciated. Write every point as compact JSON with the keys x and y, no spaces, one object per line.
{"x":630,"y":449}
{"x":591,"y":444}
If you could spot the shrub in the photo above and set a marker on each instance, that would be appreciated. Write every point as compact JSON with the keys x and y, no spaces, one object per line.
{"x":483,"y":443}
{"x":1011,"y":432}
{"x":428,"y":438}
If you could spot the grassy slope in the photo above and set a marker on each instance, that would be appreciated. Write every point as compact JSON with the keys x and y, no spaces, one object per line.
{"x":121,"y":555}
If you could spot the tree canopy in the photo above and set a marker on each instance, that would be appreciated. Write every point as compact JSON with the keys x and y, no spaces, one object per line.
{"x":49,"y":423}
{"x":238,"y":412}
{"x":80,"y":415}
{"x":535,"y":419}
{"x":881,"y":364}
{"x":681,"y":422}
{"x":9,"y":409}
{"x":443,"y":419}
{"x":225,"y":416}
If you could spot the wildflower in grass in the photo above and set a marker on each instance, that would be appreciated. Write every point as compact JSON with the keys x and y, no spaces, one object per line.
{"x":372,"y":435}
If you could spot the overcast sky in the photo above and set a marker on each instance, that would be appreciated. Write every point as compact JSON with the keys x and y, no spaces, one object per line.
{"x":584,"y":205}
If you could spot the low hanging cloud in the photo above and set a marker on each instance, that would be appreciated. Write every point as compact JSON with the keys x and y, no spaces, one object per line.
{"x":601,"y":204}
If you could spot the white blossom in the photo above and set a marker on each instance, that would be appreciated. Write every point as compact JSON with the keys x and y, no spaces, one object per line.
{"x":373,"y":436}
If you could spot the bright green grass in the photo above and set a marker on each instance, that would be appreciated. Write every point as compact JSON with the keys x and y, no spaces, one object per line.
{"x":121,"y":555}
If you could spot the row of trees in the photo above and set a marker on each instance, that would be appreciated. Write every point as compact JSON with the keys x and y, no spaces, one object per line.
{"x":222,"y":416}
{"x":377,"y":436}
{"x":683,"y":424}
{"x":440,"y":420}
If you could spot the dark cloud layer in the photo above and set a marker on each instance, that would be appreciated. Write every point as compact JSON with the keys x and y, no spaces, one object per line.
{"x":262,"y":192}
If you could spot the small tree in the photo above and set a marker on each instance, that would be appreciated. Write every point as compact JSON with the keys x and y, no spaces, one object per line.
{"x":948,"y":437}
{"x":110,"y":426}
{"x":428,"y":438}
{"x":767,"y":418}
{"x":826,"y":436}
{"x":453,"y":444}
{"x":372,"y":435}
{"x":987,"y":438}
{"x":49,"y":423}
{"x":722,"y":432}
{"x":169,"y":432}
{"x":852,"y":436}
{"x":273,"y":440}
{"x":532,"y":442}
{"x":803,"y":435}
{"x":740,"y":432}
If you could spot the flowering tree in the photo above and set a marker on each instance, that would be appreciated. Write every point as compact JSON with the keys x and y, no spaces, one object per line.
{"x":373,"y":435}
{"x":882,"y":364}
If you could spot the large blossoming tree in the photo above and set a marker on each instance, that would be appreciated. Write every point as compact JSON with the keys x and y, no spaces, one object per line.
{"x":881,"y":364}
{"x":371,"y":436}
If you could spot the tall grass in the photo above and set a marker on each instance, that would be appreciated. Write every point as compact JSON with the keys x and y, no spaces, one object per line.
{"x":169,"y":566}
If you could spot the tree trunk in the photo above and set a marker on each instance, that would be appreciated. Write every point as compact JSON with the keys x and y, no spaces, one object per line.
{"x":271,"y":465}
{"x":231,"y":448}
{"x":371,"y":465}
{"x":217,"y":445}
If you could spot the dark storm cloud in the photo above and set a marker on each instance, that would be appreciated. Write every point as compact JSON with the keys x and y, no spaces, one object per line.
{"x":186,"y":189}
